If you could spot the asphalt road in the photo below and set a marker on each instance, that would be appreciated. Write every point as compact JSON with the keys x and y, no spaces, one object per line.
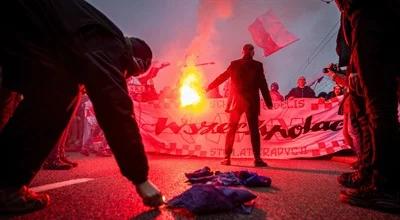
{"x":301,"y":189}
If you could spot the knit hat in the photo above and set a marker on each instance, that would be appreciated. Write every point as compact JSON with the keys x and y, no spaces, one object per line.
{"x":141,"y":55}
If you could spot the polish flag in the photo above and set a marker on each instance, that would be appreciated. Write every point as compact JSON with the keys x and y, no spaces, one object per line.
{"x":269,"y":33}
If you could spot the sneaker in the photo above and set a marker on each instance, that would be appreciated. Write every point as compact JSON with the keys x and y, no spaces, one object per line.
{"x":56,"y":165}
{"x":260,"y":163}
{"x":226,"y":162}
{"x":22,"y":200}
{"x":150,"y":194}
{"x":353,"y":179}
{"x":370,"y":197}
{"x":67,"y":161}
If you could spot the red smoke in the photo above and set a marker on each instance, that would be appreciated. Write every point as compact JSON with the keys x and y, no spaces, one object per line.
{"x":209,"y":12}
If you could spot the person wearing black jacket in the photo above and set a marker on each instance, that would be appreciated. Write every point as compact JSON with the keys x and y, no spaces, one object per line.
{"x":247,"y":80}
{"x":375,"y":47}
{"x":61,"y":45}
{"x":301,"y":91}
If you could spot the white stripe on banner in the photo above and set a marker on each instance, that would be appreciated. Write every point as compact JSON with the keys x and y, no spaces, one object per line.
{"x":60,"y":184}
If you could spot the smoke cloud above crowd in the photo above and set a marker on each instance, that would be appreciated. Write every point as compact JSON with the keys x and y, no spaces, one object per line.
{"x":214,"y":31}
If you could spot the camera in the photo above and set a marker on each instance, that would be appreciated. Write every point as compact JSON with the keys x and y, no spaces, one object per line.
{"x":333,"y":67}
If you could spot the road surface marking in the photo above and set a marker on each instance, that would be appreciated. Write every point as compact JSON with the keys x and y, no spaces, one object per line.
{"x":60,"y":184}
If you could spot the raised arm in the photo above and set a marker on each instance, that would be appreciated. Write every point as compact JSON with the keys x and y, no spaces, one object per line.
{"x":220,"y":79}
{"x":338,"y":78}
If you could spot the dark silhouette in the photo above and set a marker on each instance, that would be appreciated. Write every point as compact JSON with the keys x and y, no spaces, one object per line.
{"x":247,"y":80}
{"x":50,"y":49}
{"x":375,"y":47}
{"x":323,"y":95}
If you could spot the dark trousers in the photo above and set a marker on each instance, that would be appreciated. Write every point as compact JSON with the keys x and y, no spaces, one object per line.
{"x":362,"y":134}
{"x":376,"y":58}
{"x":8,"y":103}
{"x":252,"y":121}
{"x":51,"y":92}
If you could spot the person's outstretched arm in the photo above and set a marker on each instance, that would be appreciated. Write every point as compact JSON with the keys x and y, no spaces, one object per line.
{"x":220,"y":79}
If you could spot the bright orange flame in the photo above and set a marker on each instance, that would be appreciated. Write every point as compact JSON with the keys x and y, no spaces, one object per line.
{"x":191,"y":92}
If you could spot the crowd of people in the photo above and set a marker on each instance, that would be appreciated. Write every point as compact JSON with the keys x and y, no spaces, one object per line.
{"x":53,"y":49}
{"x":147,"y":92}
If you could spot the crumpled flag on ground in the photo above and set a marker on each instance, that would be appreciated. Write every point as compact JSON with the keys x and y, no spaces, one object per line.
{"x":203,"y":172}
{"x":205,"y":199}
{"x":252,"y":179}
{"x":226,"y":179}
{"x":246,"y":178}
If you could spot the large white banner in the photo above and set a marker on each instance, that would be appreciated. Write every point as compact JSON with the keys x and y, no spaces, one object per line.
{"x":293,"y":129}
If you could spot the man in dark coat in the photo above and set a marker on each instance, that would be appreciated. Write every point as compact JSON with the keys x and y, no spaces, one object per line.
{"x":247,"y":79}
{"x":61,"y":45}
{"x":301,"y":91}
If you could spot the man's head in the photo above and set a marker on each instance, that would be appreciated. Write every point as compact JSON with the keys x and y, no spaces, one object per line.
{"x":301,"y":82}
{"x":248,"y":50}
{"x":274,"y":86}
{"x":141,"y":56}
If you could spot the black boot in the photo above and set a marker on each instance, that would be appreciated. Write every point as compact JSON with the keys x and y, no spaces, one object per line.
{"x":260,"y":163}
{"x":226,"y":161}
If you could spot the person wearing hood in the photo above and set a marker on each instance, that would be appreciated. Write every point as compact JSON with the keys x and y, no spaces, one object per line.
{"x":62,"y":45}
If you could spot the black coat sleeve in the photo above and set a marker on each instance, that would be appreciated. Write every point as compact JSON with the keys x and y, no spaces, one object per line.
{"x":264,"y":88}
{"x":220,"y":79}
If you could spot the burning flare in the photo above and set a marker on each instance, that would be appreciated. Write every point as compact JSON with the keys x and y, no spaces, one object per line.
{"x":191,"y":92}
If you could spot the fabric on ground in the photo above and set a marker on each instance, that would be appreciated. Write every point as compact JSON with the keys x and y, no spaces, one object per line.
{"x":203,"y":172}
{"x":205,"y":199}
{"x":244,"y":177}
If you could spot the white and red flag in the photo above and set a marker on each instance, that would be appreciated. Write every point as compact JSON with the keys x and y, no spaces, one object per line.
{"x":269,"y":33}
